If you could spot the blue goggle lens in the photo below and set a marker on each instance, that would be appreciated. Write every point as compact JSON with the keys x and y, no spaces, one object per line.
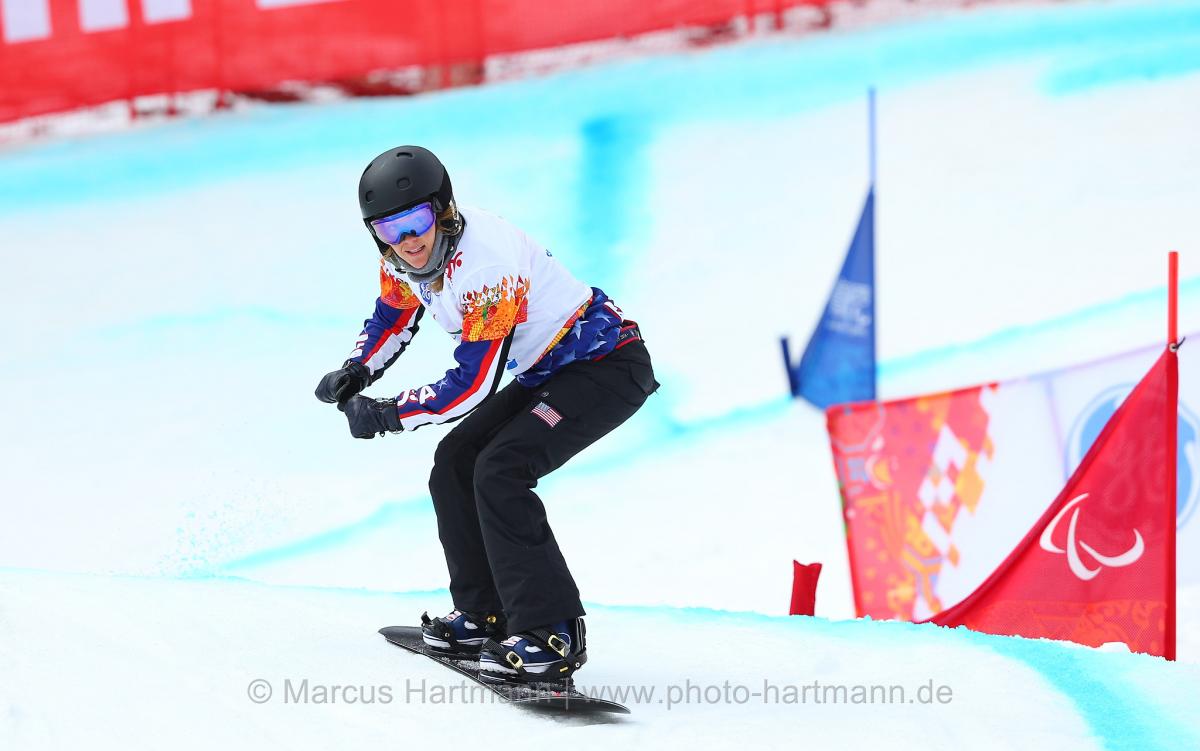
{"x":415,"y":221}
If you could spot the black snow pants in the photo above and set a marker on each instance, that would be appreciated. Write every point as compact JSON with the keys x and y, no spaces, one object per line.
{"x":499,"y":548}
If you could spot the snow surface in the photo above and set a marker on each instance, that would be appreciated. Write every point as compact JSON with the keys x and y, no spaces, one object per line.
{"x":157,"y":663}
{"x":180,"y":516}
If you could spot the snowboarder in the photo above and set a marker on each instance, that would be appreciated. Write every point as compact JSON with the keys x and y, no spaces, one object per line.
{"x":581,"y":369}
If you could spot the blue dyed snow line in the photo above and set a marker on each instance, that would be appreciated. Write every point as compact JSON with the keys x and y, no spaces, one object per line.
{"x":1118,"y":716}
{"x":887,"y":368}
{"x":1014,"y":335}
{"x":1130,"y":65}
{"x":384,"y":516}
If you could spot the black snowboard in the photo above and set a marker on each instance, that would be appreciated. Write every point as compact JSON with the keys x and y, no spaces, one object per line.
{"x":560,"y":696}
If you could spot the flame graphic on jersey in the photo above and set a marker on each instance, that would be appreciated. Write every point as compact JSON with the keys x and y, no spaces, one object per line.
{"x":395,"y":292}
{"x":492,"y":312}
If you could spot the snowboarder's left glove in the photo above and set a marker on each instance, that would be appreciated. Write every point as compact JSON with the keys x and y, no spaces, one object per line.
{"x":370,"y":416}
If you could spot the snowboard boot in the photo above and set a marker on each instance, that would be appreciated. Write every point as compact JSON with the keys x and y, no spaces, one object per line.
{"x":460,"y":632}
{"x":537,"y":655}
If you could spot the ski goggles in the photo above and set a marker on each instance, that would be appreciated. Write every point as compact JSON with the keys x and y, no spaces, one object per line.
{"x":414,"y":221}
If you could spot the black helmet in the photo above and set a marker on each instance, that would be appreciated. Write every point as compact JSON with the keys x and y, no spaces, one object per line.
{"x":399,"y":178}
{"x":402,"y":177}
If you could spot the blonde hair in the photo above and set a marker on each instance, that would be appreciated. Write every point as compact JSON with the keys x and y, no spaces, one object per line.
{"x":448,"y":221}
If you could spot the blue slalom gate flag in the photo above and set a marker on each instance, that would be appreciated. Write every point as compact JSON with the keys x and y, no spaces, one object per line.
{"x":839,"y":363}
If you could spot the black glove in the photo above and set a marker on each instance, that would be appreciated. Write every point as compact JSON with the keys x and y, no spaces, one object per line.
{"x":340,"y":385}
{"x":370,"y":416}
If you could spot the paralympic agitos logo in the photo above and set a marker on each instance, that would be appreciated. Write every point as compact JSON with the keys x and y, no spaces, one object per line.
{"x":1075,"y":561}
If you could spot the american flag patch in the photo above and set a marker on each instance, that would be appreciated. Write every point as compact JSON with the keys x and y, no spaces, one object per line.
{"x":547,"y":414}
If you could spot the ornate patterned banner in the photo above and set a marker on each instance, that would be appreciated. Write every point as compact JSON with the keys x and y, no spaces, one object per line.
{"x":937,"y":490}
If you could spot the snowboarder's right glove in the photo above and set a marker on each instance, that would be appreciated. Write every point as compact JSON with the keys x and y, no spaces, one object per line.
{"x":342,"y":384}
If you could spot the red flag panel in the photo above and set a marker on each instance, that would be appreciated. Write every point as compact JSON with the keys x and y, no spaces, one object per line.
{"x":909,"y":471}
{"x":1097,"y":566}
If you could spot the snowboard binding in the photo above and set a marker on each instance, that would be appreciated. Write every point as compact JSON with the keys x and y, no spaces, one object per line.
{"x":500,"y":662}
{"x":460,"y":632}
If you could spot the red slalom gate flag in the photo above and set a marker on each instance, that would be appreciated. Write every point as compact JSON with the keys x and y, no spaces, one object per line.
{"x":804,"y":588}
{"x":1099,"y":565}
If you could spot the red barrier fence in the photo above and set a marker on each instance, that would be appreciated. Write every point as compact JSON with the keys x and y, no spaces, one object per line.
{"x":58,"y":55}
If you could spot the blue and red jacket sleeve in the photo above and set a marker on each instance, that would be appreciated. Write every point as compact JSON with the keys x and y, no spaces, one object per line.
{"x":491,"y":310}
{"x":390,"y":328}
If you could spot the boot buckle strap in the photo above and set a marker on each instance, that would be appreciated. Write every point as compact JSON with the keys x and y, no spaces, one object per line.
{"x":557,"y":644}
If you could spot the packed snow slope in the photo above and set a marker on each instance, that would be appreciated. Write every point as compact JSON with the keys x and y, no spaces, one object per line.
{"x":129,"y":663}
{"x":178,"y":508}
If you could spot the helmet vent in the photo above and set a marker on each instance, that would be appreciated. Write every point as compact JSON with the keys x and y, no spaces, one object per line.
{"x":403,"y":183}
{"x":404,"y":155}
{"x":370,"y":196}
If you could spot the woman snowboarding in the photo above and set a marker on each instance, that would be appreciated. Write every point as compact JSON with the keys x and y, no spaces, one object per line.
{"x":580,"y":369}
